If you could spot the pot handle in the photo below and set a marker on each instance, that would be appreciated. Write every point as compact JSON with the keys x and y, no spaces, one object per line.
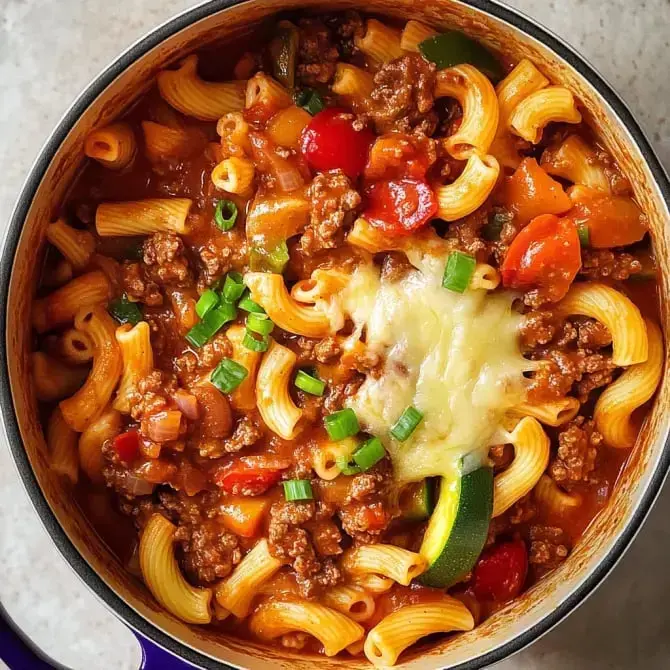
{"x":157,"y":658}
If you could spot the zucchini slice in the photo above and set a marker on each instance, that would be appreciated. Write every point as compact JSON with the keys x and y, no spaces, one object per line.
{"x":458,"y":527}
{"x":417,"y":500}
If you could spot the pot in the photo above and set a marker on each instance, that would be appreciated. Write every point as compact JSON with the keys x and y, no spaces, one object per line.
{"x":114,"y":91}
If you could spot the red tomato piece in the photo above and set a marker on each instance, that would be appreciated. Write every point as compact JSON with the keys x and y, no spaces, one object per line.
{"x":545,"y":254}
{"x":248,"y":481}
{"x":501,"y":572}
{"x":330,"y":142}
{"x":127,"y":445}
{"x":400,"y":206}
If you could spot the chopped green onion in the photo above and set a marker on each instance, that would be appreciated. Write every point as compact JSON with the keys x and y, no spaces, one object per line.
{"x":233,"y":287}
{"x":493,"y":227}
{"x":125,"y":311}
{"x":310,"y":100}
{"x":406,"y":424}
{"x":228,"y":375}
{"x":207,"y":302}
{"x":211,"y":323}
{"x":369,"y":453}
{"x":259,"y":323}
{"x":250,"y":342}
{"x":248,"y":305}
{"x":309,"y":384}
{"x":345,"y":467}
{"x":454,"y":48}
{"x":458,"y":271}
{"x":342,"y":424}
{"x":225,"y":214}
{"x":283,"y":51}
{"x":584,"y":235}
{"x":298,"y":489}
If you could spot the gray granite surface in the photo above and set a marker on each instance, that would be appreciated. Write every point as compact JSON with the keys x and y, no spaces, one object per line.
{"x":49,"y":50}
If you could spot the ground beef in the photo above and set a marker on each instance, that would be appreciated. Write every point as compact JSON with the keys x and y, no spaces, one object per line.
{"x":501,"y":455}
{"x":322,"y":351}
{"x":608,"y":264}
{"x":466,"y":234}
{"x":337,"y":393}
{"x":332,"y":202}
{"x":575,"y":461}
{"x":209,"y":551}
{"x":247,"y":432}
{"x":395,"y":266}
{"x":165,"y":260}
{"x":211,"y":353}
{"x":219,"y":256}
{"x":592,"y":334}
{"x":138,"y":287}
{"x":151,"y":394}
{"x":402,"y":99}
{"x":290,"y":540}
{"x":317,"y":53}
{"x":549,"y":547}
{"x":538,"y":328}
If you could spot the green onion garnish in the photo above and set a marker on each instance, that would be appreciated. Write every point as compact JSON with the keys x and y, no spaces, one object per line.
{"x":309,"y":384}
{"x":225,"y":214}
{"x":369,"y":453}
{"x":207,"y":302}
{"x":345,"y":466}
{"x":125,"y":311}
{"x":342,"y":424}
{"x":277,"y":258}
{"x":228,"y":375}
{"x":584,"y":235}
{"x":458,"y":271}
{"x":211,"y":323}
{"x":259,"y":323}
{"x":248,"y":305}
{"x":233,"y":287}
{"x":310,"y":100}
{"x":298,"y":489}
{"x":251,"y":342}
{"x":406,"y":424}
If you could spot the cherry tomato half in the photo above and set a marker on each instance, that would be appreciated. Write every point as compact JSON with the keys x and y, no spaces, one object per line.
{"x":400,"y":206}
{"x":546,"y":253}
{"x":501,"y":572}
{"x":127,"y":446}
{"x":330,"y":142}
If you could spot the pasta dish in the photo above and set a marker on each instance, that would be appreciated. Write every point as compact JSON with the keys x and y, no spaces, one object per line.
{"x":342,"y":340}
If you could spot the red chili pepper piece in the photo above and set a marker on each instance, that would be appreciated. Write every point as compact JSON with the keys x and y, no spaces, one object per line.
{"x":501,"y":572}
{"x":330,"y":142}
{"x":244,"y":480}
{"x":546,"y":253}
{"x":400,"y":206}
{"x":127,"y":445}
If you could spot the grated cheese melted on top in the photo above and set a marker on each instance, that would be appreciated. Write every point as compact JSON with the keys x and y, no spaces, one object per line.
{"x":455,"y":357}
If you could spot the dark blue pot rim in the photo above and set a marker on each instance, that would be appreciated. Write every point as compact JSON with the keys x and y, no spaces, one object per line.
{"x":68,"y":550}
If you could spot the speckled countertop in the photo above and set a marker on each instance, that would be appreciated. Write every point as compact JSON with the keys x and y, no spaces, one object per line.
{"x":49,"y":50}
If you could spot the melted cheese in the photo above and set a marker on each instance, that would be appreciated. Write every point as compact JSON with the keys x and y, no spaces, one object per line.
{"x":454,"y":357}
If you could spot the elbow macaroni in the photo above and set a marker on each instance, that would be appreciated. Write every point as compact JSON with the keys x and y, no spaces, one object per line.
{"x":531,"y":457}
{"x":534,"y":112}
{"x":637,"y":384}
{"x":334,"y":630}
{"x":244,"y":396}
{"x":269,"y":291}
{"x":77,"y":246}
{"x":554,"y":413}
{"x":477,"y":98}
{"x":402,"y":628}
{"x":142,"y":217}
{"x":234,"y":175}
{"x":273,"y":398}
{"x":105,"y":427}
{"x":380,"y":43}
{"x":208,"y":101}
{"x":62,"y":444}
{"x":576,"y":161}
{"x":53,"y":380}
{"x":614,"y":310}
{"x":138,"y":361}
{"x":236,"y":593}
{"x":113,"y":146}
{"x":387,"y":560}
{"x":470,"y":190}
{"x":163,"y":576}
{"x":413,"y":34}
{"x":88,"y":402}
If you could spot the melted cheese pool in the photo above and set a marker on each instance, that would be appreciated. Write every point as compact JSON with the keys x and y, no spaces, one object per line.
{"x":455,"y":357}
